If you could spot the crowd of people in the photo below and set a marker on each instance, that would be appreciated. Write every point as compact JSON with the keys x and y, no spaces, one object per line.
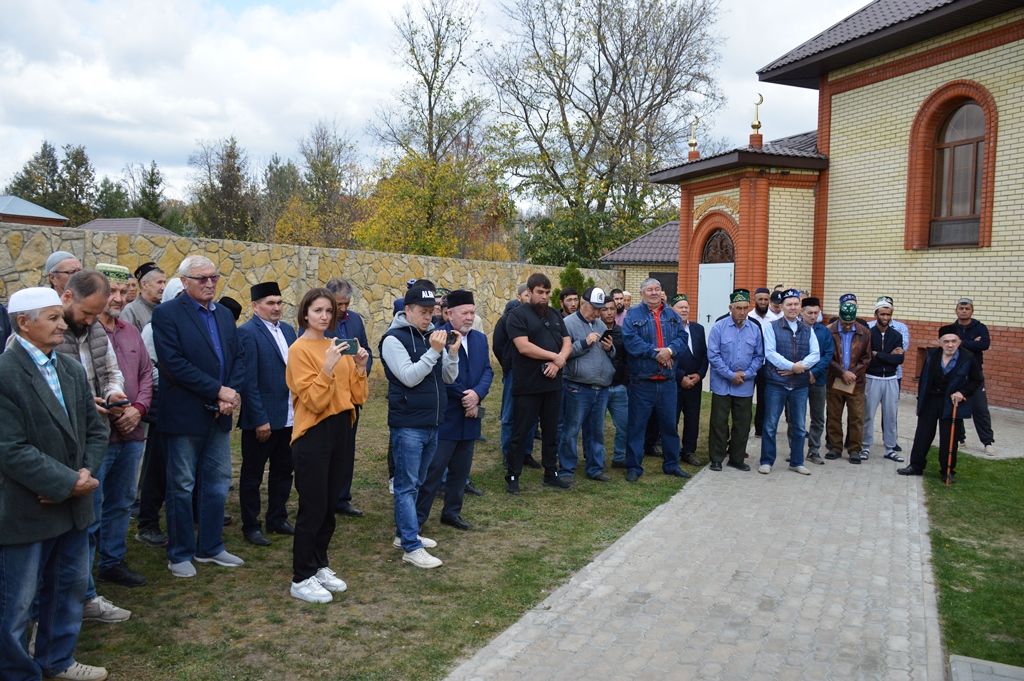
{"x":118,"y":399}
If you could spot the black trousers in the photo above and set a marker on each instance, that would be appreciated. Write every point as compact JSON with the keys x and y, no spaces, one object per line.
{"x":255,"y":456}
{"x":525,"y":411}
{"x":981,"y":417}
{"x":348,"y":467}
{"x":928,"y":418}
{"x":456,"y":457}
{"x":759,"y":409}
{"x":317,"y":459}
{"x":154,"y":481}
{"x":688,"y":406}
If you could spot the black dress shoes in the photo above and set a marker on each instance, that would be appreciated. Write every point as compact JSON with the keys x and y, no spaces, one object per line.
{"x":455,"y":521}
{"x":256,"y":537}
{"x":121,"y":574}
{"x":855,"y":459}
{"x":346,"y":508}
{"x":284,"y":528}
{"x":716,"y":466}
{"x":909,"y":470}
{"x":531,"y":462}
{"x":473,"y":489}
{"x":678,"y":472}
{"x":738,"y":466}
{"x":600,"y":477}
{"x":690,"y":459}
{"x":557,"y":482}
{"x":512,"y":485}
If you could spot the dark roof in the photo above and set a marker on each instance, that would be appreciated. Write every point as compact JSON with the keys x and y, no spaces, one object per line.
{"x":661,"y":244}
{"x":793,"y":152}
{"x":880,"y":27}
{"x":15,"y":206}
{"x":127,"y":226}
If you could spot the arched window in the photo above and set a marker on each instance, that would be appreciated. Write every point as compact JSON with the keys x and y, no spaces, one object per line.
{"x":718,"y":248}
{"x":959,"y":159}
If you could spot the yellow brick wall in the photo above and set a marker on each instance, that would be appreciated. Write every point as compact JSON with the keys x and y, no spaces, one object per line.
{"x":726,"y":201}
{"x":867,"y":195}
{"x":635,"y":274}
{"x":790,"y":236}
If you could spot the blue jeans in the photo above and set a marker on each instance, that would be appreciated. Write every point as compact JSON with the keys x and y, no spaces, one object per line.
{"x":206,"y":458}
{"x":56,"y":572}
{"x":777,"y":398}
{"x":413,"y":449}
{"x":506,"y":420}
{"x":112,"y":501}
{"x":618,"y":407}
{"x":660,"y":397}
{"x":582,"y":408}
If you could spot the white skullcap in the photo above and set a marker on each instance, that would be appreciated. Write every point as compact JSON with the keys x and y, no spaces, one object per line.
{"x":172,"y":289}
{"x":33,"y":298}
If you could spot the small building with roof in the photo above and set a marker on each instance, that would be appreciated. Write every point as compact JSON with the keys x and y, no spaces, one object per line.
{"x":653,"y":254}
{"x":127,"y":226}
{"x":16,"y":210}
{"x":909,"y":187}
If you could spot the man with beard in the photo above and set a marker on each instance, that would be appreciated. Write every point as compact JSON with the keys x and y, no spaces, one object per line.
{"x":458,"y":432}
{"x":119,"y":469}
{"x":761,"y":314}
{"x":152,"y":281}
{"x":615,"y":296}
{"x":542,"y":347}
{"x":881,"y":383}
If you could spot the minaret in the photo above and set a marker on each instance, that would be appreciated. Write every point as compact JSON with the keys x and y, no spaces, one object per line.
{"x":756,"y":140}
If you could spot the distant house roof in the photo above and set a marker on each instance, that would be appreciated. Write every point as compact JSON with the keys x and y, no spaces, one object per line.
{"x":880,"y":27}
{"x":13,"y":206}
{"x":127,"y":226}
{"x":661,"y":244}
{"x":795,"y":152}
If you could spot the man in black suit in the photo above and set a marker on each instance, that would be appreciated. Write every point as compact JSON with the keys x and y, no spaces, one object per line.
{"x":267,"y":415}
{"x":691,"y":368}
{"x":202,"y":368}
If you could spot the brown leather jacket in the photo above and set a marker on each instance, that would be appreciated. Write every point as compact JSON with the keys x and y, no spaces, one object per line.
{"x":860,"y":352}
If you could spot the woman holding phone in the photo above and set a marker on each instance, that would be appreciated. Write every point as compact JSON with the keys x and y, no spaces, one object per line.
{"x":326,"y":383}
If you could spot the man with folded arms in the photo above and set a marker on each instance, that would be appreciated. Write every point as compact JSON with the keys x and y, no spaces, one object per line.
{"x":881,"y":381}
{"x":51,"y":440}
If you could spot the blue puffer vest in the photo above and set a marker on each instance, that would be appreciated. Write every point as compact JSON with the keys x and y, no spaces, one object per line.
{"x":792,"y":346}
{"x":423,"y":405}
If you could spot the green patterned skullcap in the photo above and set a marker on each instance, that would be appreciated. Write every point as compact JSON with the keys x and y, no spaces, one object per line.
{"x":115,"y":273}
{"x":740,"y":295}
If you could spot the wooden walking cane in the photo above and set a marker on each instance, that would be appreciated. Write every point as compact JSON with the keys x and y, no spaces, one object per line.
{"x":952,"y":443}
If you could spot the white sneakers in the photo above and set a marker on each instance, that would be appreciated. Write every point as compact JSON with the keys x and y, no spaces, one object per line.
{"x":802,"y":470}
{"x":427,"y":542}
{"x":183,"y":569}
{"x":311,"y":591}
{"x":100,"y":609}
{"x":318,"y":588}
{"x":329,"y":580}
{"x":764,"y":469}
{"x":990,"y":450}
{"x":82,"y":672}
{"x":224,"y":559}
{"x":421,"y":559}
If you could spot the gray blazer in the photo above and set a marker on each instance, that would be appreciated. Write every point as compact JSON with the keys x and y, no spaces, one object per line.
{"x":42,"y":447}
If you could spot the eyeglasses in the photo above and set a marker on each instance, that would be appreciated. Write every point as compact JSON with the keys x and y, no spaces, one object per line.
{"x":67,"y":272}
{"x":212,"y":279}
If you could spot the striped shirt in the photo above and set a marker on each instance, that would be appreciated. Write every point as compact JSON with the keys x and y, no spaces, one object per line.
{"x":47,"y":365}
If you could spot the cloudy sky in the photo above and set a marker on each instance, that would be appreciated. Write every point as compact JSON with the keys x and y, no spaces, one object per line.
{"x":135,"y":81}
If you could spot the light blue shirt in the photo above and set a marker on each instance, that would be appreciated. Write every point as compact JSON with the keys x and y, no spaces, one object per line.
{"x":772,"y":355}
{"x":47,"y":365}
{"x":734,"y":348}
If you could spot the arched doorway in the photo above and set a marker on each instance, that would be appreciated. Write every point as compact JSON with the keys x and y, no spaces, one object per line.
{"x":716,"y":275}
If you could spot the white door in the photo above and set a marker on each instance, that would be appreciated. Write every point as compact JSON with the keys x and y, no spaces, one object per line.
{"x":714,"y":284}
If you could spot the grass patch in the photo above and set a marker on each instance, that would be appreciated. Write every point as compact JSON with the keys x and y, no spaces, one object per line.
{"x":977,"y":537}
{"x":395,"y":622}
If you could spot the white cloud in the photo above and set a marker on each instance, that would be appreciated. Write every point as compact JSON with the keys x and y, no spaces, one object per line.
{"x":138,"y":81}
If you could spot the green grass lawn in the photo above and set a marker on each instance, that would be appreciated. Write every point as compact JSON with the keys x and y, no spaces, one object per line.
{"x":395,"y":621}
{"x":977,"y":536}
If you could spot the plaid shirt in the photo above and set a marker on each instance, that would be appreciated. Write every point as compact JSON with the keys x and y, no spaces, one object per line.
{"x":47,"y":367}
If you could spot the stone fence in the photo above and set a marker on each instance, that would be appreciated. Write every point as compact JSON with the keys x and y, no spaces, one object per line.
{"x":378,"y":278}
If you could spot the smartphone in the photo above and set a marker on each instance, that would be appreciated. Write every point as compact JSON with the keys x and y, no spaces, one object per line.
{"x":118,"y":403}
{"x":606,"y":334}
{"x":450,"y":340}
{"x":353,"y":345}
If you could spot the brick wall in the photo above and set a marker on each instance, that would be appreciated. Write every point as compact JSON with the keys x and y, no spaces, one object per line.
{"x":633,"y":275}
{"x":869,"y":145}
{"x":790,"y":236}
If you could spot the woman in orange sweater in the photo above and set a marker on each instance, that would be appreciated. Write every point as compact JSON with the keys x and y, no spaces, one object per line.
{"x":326,"y":384}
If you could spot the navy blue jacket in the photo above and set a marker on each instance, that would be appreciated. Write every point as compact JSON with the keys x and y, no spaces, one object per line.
{"x":695,"y":362}
{"x":974,"y":329}
{"x":189,"y":370}
{"x":883,"y":361}
{"x":265,"y":396}
{"x":965,"y":378}
{"x":475,"y":374}
{"x":639,"y":335}
{"x":826,"y":348}
{"x":352,"y":327}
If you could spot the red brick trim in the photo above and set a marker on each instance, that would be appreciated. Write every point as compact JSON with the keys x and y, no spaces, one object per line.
{"x":687,"y":272}
{"x":709,"y":224}
{"x":937,"y":55}
{"x":821,"y":197}
{"x":793,"y":181}
{"x":921,"y":159}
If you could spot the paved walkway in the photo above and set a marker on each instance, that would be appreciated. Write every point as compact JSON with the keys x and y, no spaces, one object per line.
{"x":748,"y":577}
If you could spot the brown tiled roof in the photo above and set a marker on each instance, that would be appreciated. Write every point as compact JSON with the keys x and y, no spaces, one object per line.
{"x":661,"y":244}
{"x":796,"y":151}
{"x":879,"y":27}
{"x":127,"y":226}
